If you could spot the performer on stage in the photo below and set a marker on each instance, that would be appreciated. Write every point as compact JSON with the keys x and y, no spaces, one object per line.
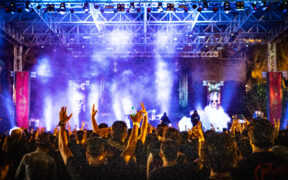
{"x":165,"y":120}
{"x":195,"y":118}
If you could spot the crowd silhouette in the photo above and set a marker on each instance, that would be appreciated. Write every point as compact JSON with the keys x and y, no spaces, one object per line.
{"x":253,"y":149}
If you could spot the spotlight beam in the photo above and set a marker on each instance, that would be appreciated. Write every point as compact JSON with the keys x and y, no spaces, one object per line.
{"x":195,"y":20}
{"x":95,"y":16}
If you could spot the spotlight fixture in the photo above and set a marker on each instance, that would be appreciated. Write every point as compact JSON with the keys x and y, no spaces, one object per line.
{"x":120,"y":7}
{"x":284,"y":6}
{"x":183,"y":6}
{"x":86,"y":7}
{"x":50,"y":7}
{"x":38,"y":6}
{"x":239,"y":5}
{"x":96,"y":6}
{"x":12,"y":8}
{"x":227,"y":7}
{"x":132,"y":5}
{"x":27,"y":6}
{"x":254,"y":6}
{"x":215,"y":9}
{"x":199,"y":9}
{"x":194,"y":6}
{"x":109,"y":8}
{"x":71,"y":10}
{"x":149,"y":10}
{"x":265,"y":7}
{"x":205,"y":5}
{"x":62,"y":8}
{"x":159,"y":5}
{"x":170,"y":7}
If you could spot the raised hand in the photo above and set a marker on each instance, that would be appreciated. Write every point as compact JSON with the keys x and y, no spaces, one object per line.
{"x":94,"y":111}
{"x":198,"y":132}
{"x":63,"y":140}
{"x":137,"y":118}
{"x":143,"y":109}
{"x":83,"y":124}
{"x":64,"y":118}
{"x":93,"y":120}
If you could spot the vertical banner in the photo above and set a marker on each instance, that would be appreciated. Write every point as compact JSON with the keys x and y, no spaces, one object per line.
{"x":22,"y":99}
{"x":274,"y":96}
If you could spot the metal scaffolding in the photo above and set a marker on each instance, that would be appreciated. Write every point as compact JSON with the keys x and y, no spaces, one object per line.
{"x":184,"y":26}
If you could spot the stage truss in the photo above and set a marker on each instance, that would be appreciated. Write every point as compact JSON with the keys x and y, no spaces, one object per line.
{"x":186,"y":29}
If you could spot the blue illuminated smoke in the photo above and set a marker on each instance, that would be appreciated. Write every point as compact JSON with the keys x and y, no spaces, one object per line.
{"x":228,"y":94}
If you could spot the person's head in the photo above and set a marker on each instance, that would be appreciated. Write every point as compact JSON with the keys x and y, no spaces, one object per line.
{"x":195,"y":118}
{"x":173,"y":134}
{"x":165,"y":114}
{"x":43,"y":141}
{"x":4,"y":164}
{"x":260,"y":133}
{"x":16,"y":133}
{"x":160,"y":130}
{"x":169,"y":150}
{"x":119,"y":131}
{"x":95,"y":150}
{"x":184,"y":136}
{"x":219,"y":152}
{"x":102,"y":125}
{"x":79,"y":135}
{"x":244,"y":148}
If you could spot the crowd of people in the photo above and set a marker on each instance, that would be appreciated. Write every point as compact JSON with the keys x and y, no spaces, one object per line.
{"x":255,"y":149}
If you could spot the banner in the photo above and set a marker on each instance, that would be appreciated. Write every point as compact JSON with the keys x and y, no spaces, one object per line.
{"x":274,"y":96}
{"x":22,"y":99}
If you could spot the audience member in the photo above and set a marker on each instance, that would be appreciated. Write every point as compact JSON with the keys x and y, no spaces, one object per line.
{"x":262,"y":163}
{"x":245,"y":151}
{"x":38,"y":164}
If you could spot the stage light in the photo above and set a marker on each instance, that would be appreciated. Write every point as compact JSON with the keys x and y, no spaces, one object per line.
{"x":227,"y":7}
{"x":138,"y":10}
{"x":62,"y":8}
{"x":215,"y":9}
{"x":170,"y":7}
{"x":183,"y":6}
{"x":205,"y":5}
{"x":194,"y":6}
{"x":50,"y":7}
{"x":239,"y":5}
{"x":159,"y":5}
{"x":283,"y":6}
{"x":254,"y":6}
{"x":71,"y":10}
{"x":12,"y":8}
{"x":96,"y":6}
{"x":38,"y":6}
{"x":264,"y":6}
{"x":120,"y":7}
{"x":148,"y":10}
{"x":132,"y":5}
{"x":86,"y":7}
{"x":27,"y":6}
{"x":199,"y":9}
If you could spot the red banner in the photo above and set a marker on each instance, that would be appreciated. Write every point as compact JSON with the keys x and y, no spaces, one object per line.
{"x":22,"y":99}
{"x":274,"y":96}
